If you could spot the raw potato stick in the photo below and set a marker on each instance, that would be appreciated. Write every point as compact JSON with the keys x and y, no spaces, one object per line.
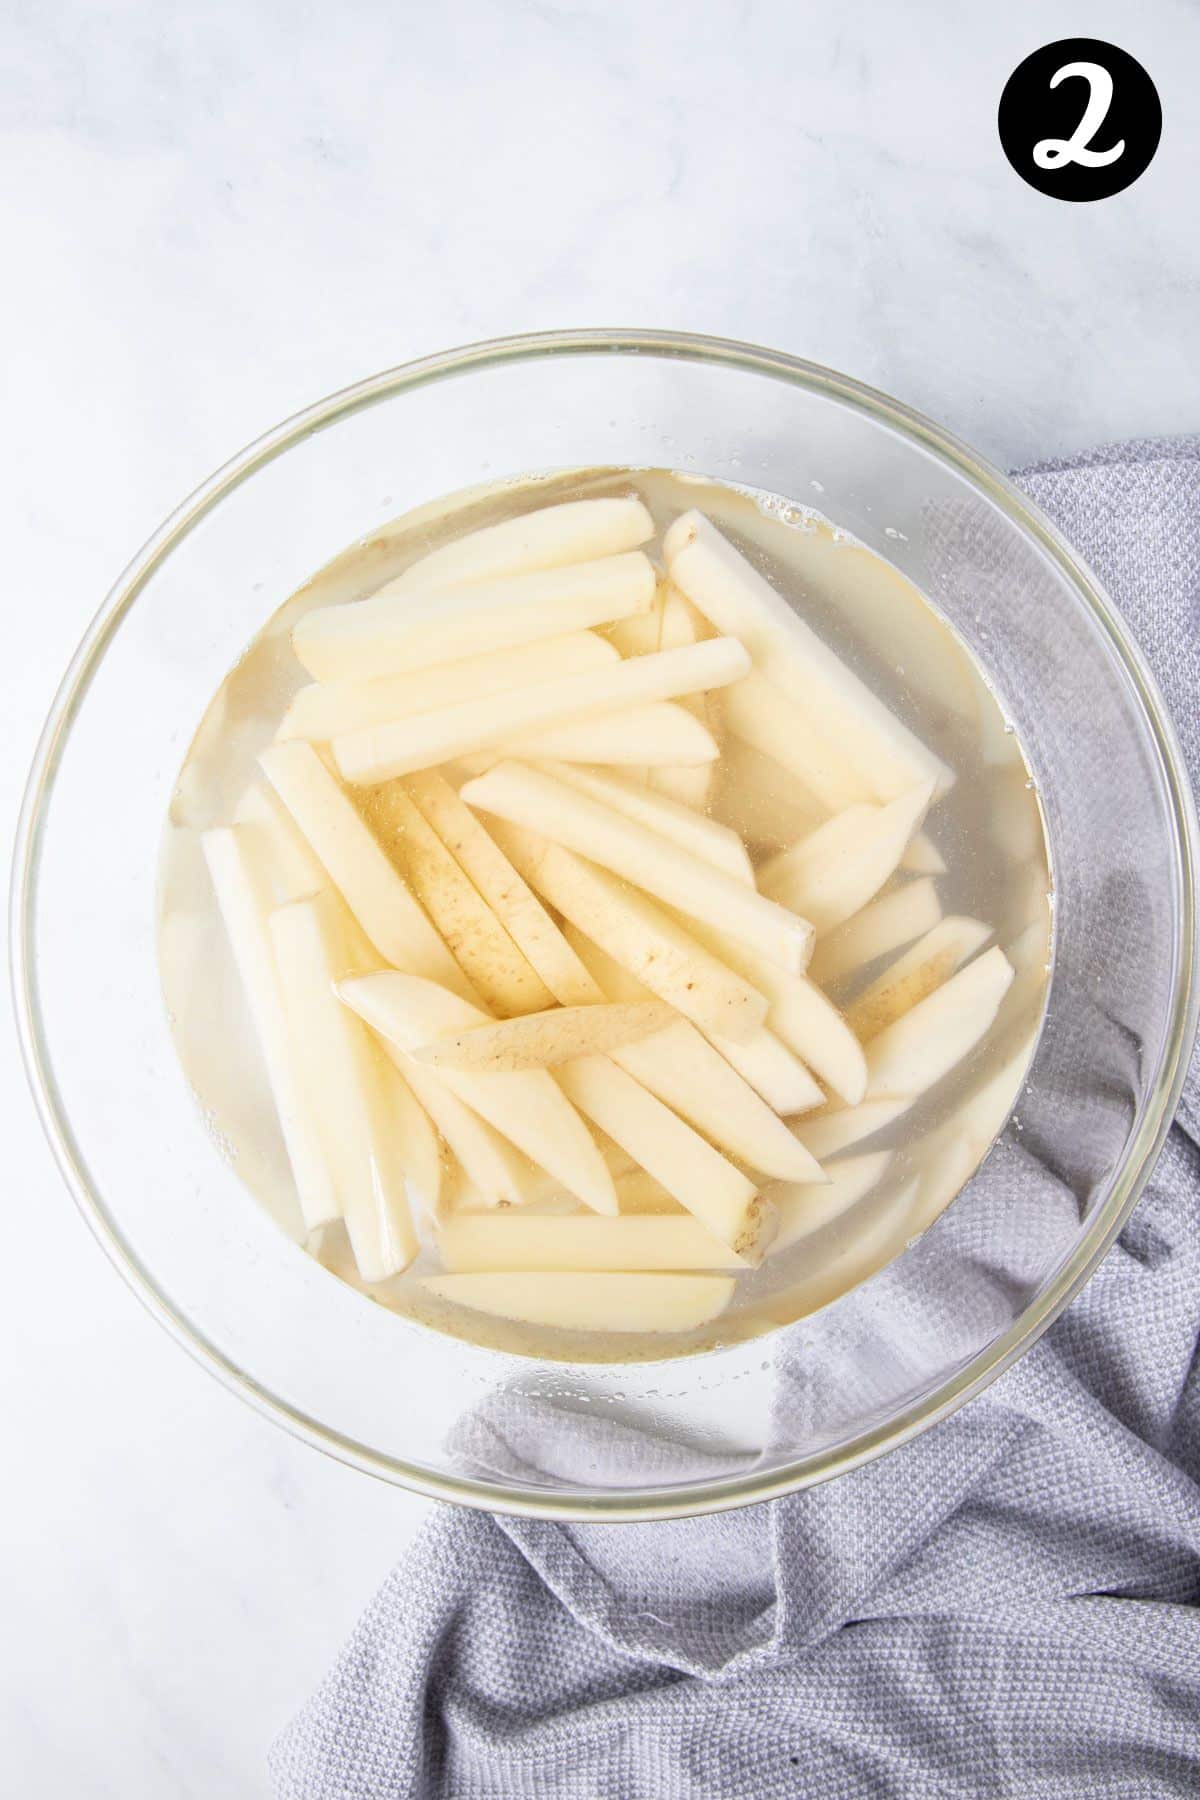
{"x":641,"y":633}
{"x":716,"y":844}
{"x":425,"y":739}
{"x":698,"y":1176}
{"x":764,"y":803}
{"x":799,"y":1013}
{"x":508,"y":1241}
{"x":805,"y":1209}
{"x":320,"y":713}
{"x":833,"y":873}
{"x":540,"y":1040}
{"x":923,"y":857}
{"x":528,"y":1107}
{"x":770,"y":721}
{"x":680,"y":1067}
{"x":864,"y":1253}
{"x":640,"y":1193}
{"x":420,"y":1147}
{"x":359,"y":867}
{"x":294,"y":870}
{"x":476,"y":938}
{"x":943,"y":1172}
{"x":683,"y":1069}
{"x":587,"y":1302}
{"x":571,"y":531}
{"x":914,"y":1052}
{"x":640,"y":936}
{"x":344,"y":1081}
{"x":840,"y":1127}
{"x":505,"y":890}
{"x":690,"y":786}
{"x":915,"y":974}
{"x":761,"y":1059}
{"x":731,"y":593}
{"x":241,"y":883}
{"x":495,"y":1167}
{"x":662,"y":732}
{"x":394,"y":632}
{"x":534,"y":799}
{"x":886,"y":924}
{"x":772,"y":1070}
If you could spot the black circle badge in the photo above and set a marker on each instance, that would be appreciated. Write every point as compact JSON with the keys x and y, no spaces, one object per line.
{"x":1079,"y":119}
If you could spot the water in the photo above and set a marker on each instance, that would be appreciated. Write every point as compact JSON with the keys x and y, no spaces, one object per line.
{"x":988,"y":830}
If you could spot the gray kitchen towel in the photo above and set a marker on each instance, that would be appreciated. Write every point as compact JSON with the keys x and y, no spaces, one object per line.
{"x":1007,"y":1606}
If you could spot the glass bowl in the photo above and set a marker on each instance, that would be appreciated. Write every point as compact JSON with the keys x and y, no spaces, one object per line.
{"x":768,"y":1415}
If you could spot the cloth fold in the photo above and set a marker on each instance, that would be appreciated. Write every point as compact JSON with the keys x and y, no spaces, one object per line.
{"x":1005,"y":1606}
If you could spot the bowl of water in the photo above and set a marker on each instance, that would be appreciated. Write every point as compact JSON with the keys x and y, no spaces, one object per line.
{"x":1062,"y":847}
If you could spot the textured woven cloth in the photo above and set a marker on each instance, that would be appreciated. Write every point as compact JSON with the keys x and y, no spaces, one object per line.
{"x":1007,"y":1606}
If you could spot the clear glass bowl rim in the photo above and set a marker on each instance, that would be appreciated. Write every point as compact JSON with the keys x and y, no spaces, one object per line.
{"x":1158,"y":1108}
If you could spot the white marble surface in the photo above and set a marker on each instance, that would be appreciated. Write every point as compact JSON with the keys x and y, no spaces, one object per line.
{"x":220,"y":212}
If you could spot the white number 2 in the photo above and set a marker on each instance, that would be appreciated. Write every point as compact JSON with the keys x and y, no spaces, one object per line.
{"x":1055,"y":153}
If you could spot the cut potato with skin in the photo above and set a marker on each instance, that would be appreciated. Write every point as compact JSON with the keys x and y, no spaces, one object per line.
{"x":771,"y":722}
{"x":508,"y":1241}
{"x":922,"y":856}
{"x":761,"y":1059}
{"x":761,"y":801}
{"x":321,"y":713}
{"x":478,"y":941}
{"x":699,"y":1177}
{"x":505,"y":890}
{"x":527,"y":1107}
{"x":241,"y":881}
{"x":588,"y":1302}
{"x":886,"y":924}
{"x":425,"y":739}
{"x":391,"y":633}
{"x":731,"y":593}
{"x":359,"y":867}
{"x":917,"y":1050}
{"x":830,"y":1132}
{"x":540,"y":1040}
{"x":833,"y":873}
{"x":572,"y":531}
{"x":530,"y":797}
{"x":294,"y":869}
{"x":346,"y":1086}
{"x":716,"y":844}
{"x":804,"y":1209}
{"x":663,"y":732}
{"x":915,"y":974}
{"x":640,"y":936}
{"x":799,"y":1013}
